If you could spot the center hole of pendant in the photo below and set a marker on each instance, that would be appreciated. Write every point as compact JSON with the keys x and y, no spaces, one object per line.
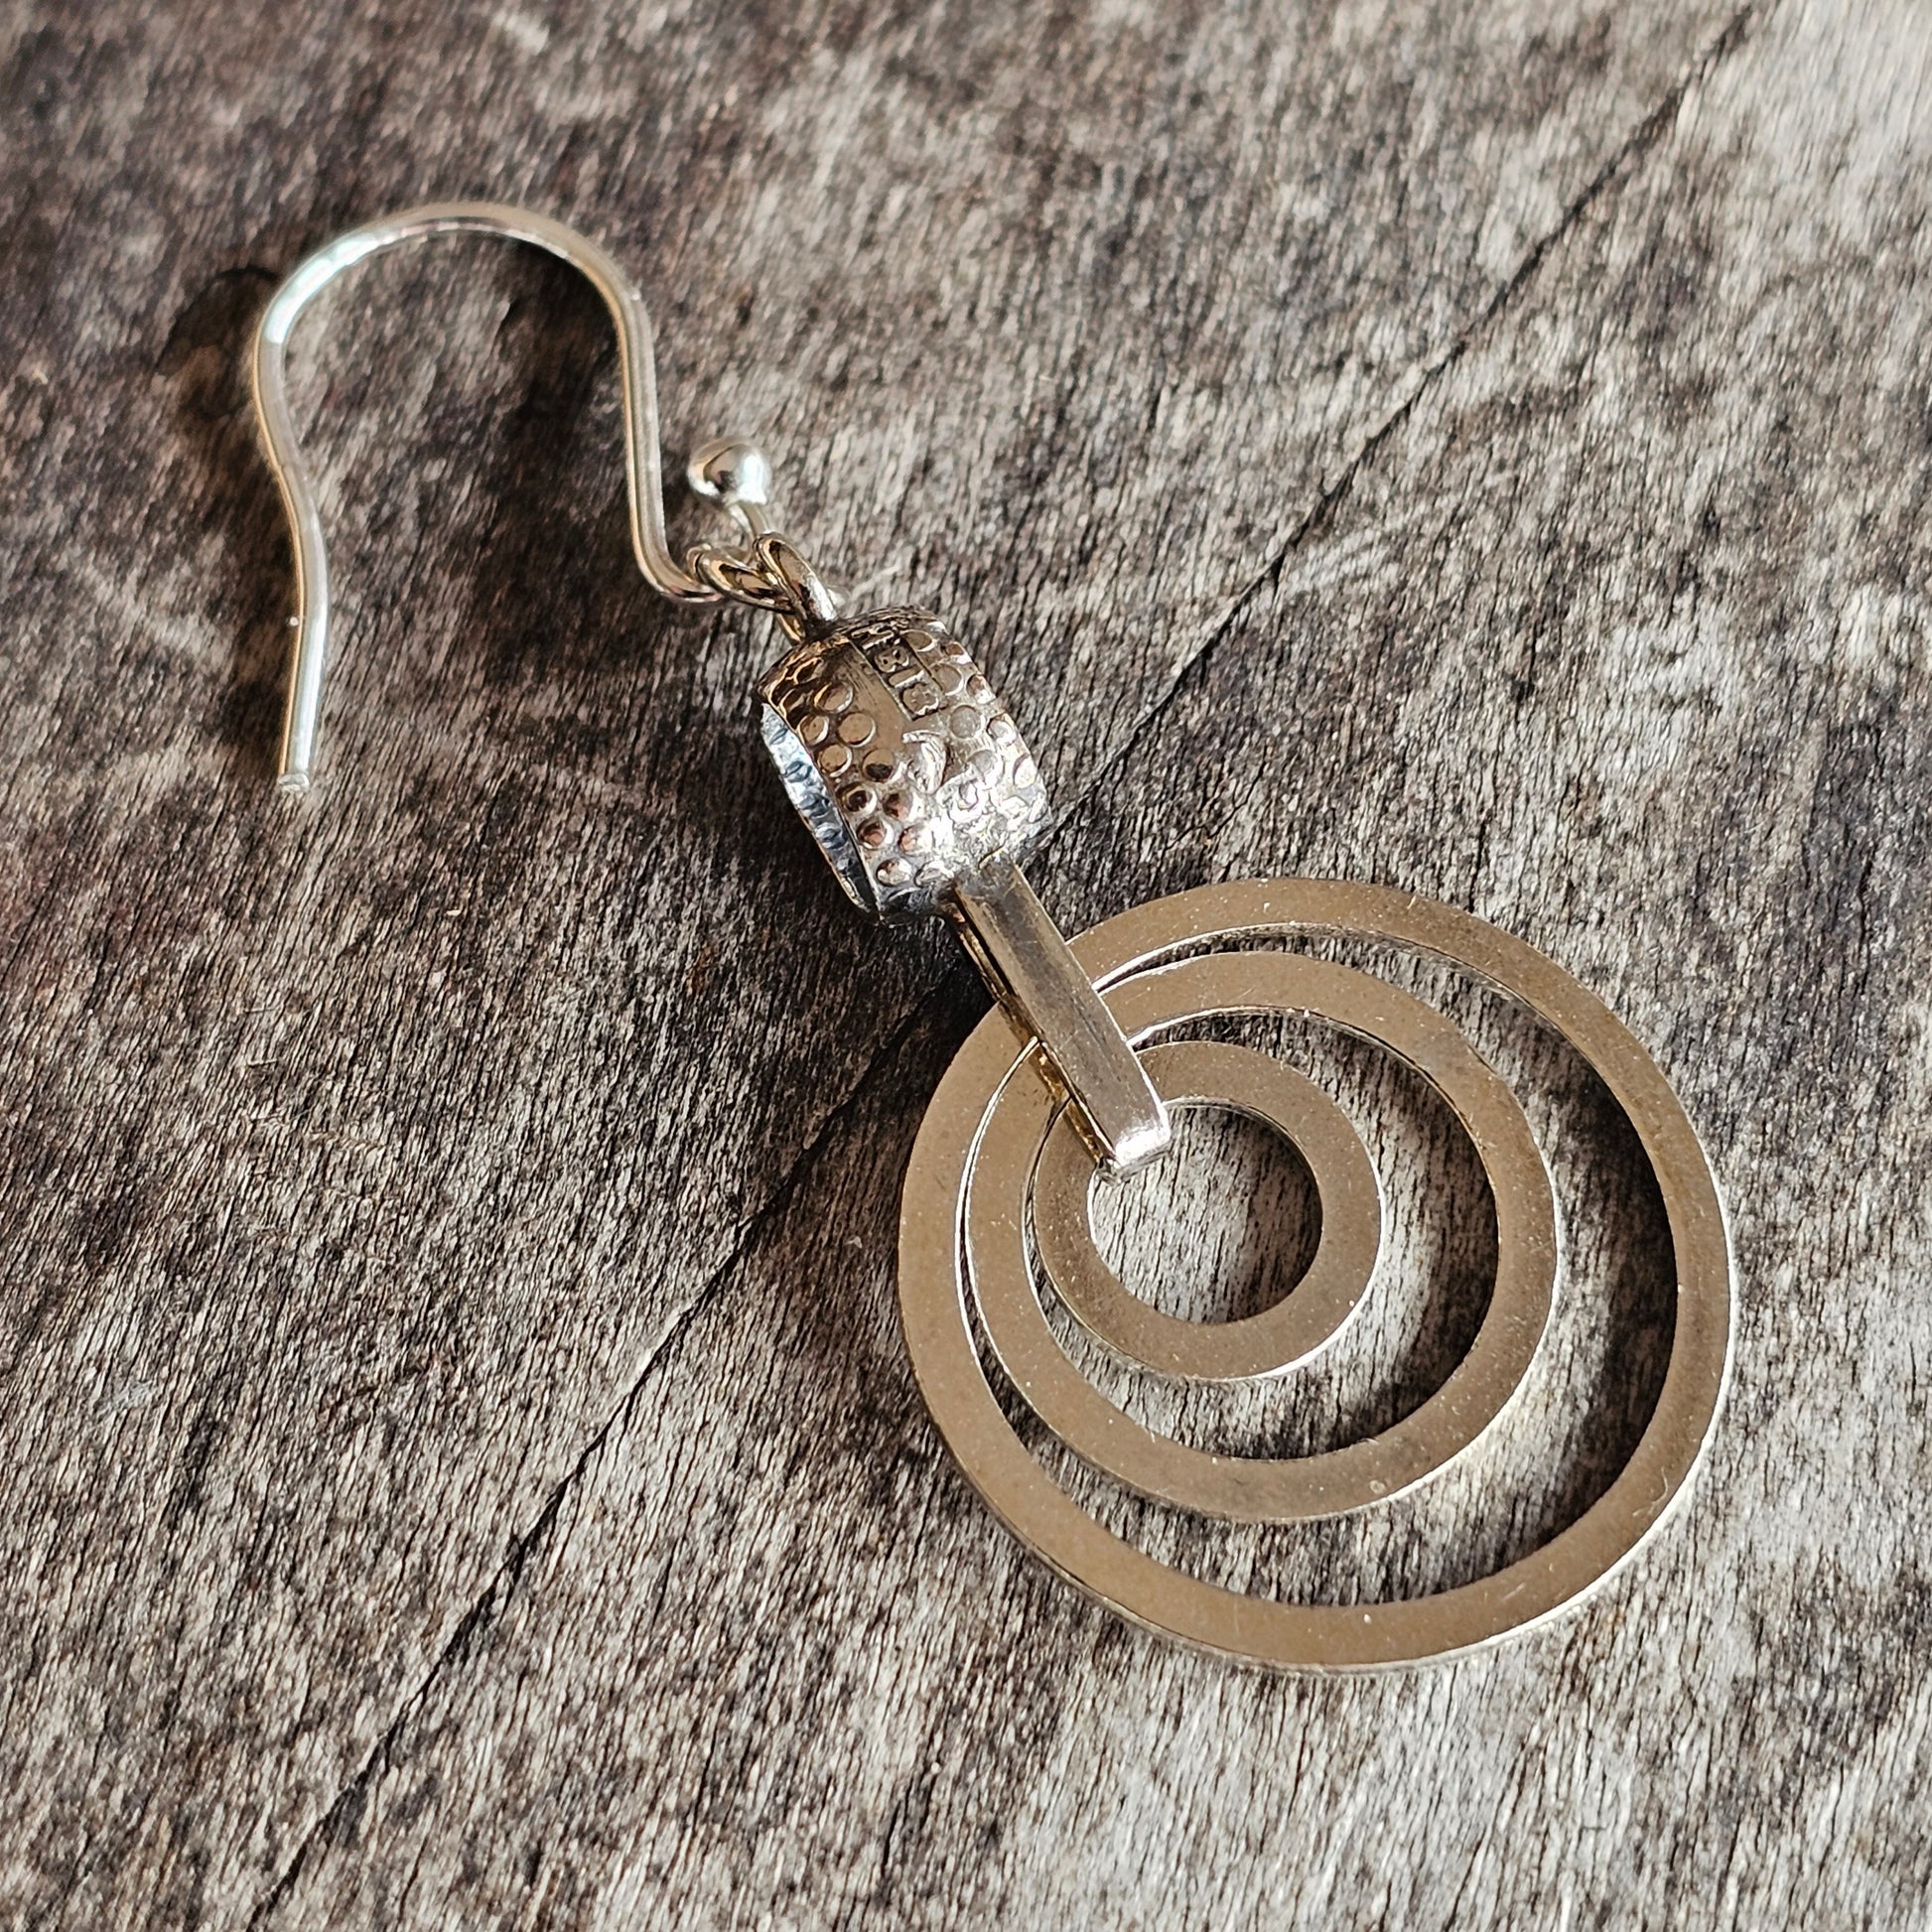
{"x":1220,"y":1229}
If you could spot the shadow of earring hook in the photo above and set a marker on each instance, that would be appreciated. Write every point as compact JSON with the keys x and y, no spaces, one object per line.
{"x":268,"y":375}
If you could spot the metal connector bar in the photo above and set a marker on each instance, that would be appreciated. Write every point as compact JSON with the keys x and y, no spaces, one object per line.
{"x":1037,"y":981}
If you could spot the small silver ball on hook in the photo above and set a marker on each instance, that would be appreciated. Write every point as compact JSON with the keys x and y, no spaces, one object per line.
{"x":729,"y":472}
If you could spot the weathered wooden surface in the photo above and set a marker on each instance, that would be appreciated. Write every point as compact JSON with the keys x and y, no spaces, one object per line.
{"x":459,"y":1464}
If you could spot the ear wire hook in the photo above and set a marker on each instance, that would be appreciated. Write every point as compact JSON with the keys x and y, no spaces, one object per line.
{"x":712,"y":467}
{"x":957,"y":796}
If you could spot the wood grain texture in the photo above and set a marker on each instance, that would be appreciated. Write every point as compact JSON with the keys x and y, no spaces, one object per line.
{"x":460,"y":1463}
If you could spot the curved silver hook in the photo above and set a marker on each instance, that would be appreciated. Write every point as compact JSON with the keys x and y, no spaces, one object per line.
{"x":269,"y":376}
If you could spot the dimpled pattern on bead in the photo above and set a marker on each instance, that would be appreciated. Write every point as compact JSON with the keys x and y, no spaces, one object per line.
{"x":925,"y":773}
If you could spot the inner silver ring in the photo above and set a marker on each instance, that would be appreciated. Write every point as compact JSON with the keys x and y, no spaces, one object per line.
{"x":1201,"y":1072}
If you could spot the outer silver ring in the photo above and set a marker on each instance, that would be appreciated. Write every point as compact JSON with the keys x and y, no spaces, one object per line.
{"x":963,"y":1127}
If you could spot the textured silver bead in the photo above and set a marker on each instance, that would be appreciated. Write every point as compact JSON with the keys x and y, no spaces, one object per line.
{"x":908,"y":771}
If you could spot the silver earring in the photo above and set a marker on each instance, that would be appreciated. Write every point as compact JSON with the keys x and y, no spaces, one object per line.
{"x":913,"y":780}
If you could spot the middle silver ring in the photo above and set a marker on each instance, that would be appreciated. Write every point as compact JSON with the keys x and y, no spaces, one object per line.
{"x":1261,"y":1488}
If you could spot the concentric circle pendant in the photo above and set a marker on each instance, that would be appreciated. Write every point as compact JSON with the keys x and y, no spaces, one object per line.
{"x":997,"y":1199}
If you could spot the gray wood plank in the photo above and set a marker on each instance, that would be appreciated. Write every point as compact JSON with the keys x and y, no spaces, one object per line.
{"x":461,"y":1461}
{"x":802,"y":1678}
